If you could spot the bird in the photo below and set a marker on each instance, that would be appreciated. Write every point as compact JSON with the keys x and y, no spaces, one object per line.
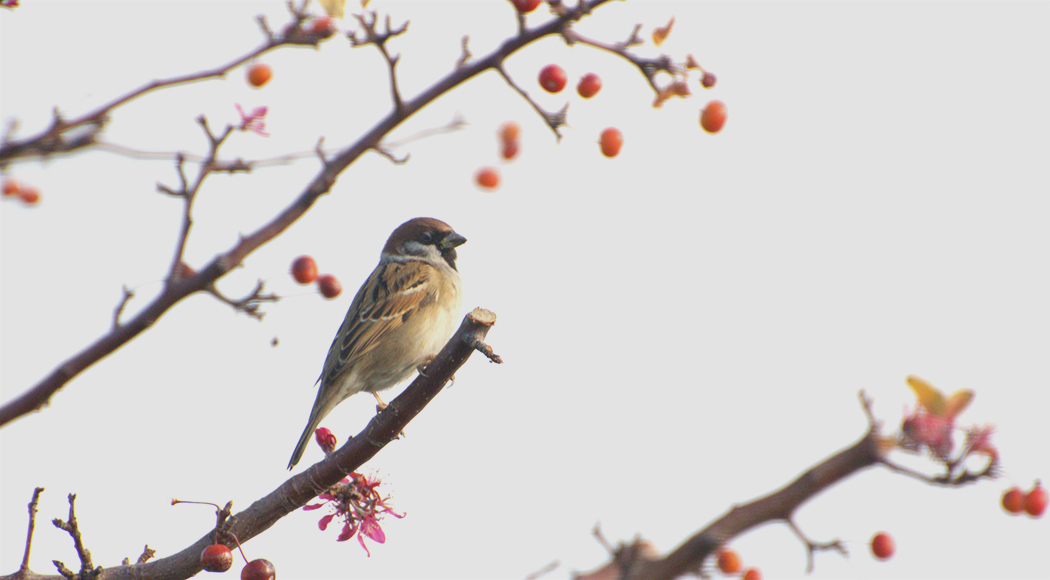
{"x":401,"y":317}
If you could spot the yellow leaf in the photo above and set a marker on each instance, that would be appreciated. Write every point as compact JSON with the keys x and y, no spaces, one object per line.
{"x":334,"y":8}
{"x":661,"y":34}
{"x":958,"y":402}
{"x":930,"y":398}
{"x":936,"y":403}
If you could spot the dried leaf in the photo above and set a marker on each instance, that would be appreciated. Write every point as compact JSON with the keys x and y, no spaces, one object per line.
{"x":661,"y":34}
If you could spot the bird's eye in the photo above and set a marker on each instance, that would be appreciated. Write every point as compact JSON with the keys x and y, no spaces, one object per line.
{"x":426,"y":237}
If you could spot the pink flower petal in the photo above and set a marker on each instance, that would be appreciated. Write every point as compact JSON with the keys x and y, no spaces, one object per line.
{"x":323,"y":523}
{"x":347,"y":533}
{"x":370,"y":527}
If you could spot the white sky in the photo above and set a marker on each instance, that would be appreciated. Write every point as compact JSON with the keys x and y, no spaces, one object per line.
{"x":685,"y":327}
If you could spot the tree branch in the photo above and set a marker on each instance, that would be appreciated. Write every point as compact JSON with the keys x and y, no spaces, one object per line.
{"x":39,"y":394}
{"x":300,"y":489}
{"x":63,"y":137}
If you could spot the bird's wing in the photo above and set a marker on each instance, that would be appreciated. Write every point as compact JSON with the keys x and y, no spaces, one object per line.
{"x":393,"y":292}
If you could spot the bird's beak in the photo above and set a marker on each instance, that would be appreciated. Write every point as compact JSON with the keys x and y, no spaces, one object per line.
{"x":451,"y":240}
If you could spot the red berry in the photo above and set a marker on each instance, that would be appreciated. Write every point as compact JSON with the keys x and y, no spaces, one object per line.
{"x":882,"y":546}
{"x":509,"y":150}
{"x":752,"y":574}
{"x":304,"y":269}
{"x":322,"y":27}
{"x":259,"y":74}
{"x":611,"y":142}
{"x":1035,"y":501}
{"x":1013,"y":500}
{"x":728,"y":561}
{"x":330,"y":286}
{"x":216,"y":558}
{"x":708,"y":80}
{"x":11,"y":187}
{"x":589,"y":85}
{"x":525,"y":6}
{"x":553,"y":78}
{"x":713,"y":117}
{"x":260,"y":569}
{"x":29,"y":195}
{"x":488,"y":178}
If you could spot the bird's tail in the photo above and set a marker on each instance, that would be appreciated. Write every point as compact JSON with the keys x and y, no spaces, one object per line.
{"x":320,"y":410}
{"x":300,"y":447}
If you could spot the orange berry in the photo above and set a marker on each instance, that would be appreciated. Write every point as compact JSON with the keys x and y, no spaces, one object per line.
{"x":713,"y":117}
{"x":882,"y":546}
{"x":509,"y":131}
{"x":553,"y":78}
{"x":1013,"y":500}
{"x":611,"y":142}
{"x":330,"y":286}
{"x":304,"y":269}
{"x":259,"y":74}
{"x":589,"y":85}
{"x":488,"y":178}
{"x":11,"y":187}
{"x":728,"y":561}
{"x":752,"y":574}
{"x":1035,"y":500}
{"x":29,"y":195}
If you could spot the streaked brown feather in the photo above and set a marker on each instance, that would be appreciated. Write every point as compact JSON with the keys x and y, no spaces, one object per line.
{"x":399,"y":289}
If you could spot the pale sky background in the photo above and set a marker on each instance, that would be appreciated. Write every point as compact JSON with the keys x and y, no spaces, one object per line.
{"x":684,"y":327}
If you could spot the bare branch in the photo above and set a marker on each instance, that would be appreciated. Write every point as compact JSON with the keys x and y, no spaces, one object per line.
{"x":649,"y":67}
{"x":379,"y":38}
{"x":24,"y":568}
{"x":69,"y":135}
{"x":386,"y":153}
{"x":812,"y":546}
{"x":777,"y":506}
{"x":553,"y":120}
{"x":249,"y":304}
{"x":39,"y":394}
{"x":87,"y":569}
{"x":300,"y":489}
{"x":543,"y":571}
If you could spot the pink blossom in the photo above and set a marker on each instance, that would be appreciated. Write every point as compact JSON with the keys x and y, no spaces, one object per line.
{"x":326,"y":439}
{"x":254,"y":121}
{"x":356,"y":501}
{"x":979,"y":440}
{"x":922,"y":429}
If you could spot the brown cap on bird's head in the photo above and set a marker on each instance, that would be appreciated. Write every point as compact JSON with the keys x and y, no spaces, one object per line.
{"x":424,"y":231}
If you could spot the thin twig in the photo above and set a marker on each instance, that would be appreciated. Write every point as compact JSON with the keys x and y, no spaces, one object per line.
{"x":87,"y":569}
{"x":60,"y":137}
{"x":24,"y":568}
{"x":373,"y":36}
{"x":812,"y":546}
{"x":553,"y":120}
{"x":128,"y":295}
{"x":386,"y":153}
{"x":465,"y":52}
{"x":249,"y":304}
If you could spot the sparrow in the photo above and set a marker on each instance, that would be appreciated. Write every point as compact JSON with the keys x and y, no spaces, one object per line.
{"x":401,"y":317}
